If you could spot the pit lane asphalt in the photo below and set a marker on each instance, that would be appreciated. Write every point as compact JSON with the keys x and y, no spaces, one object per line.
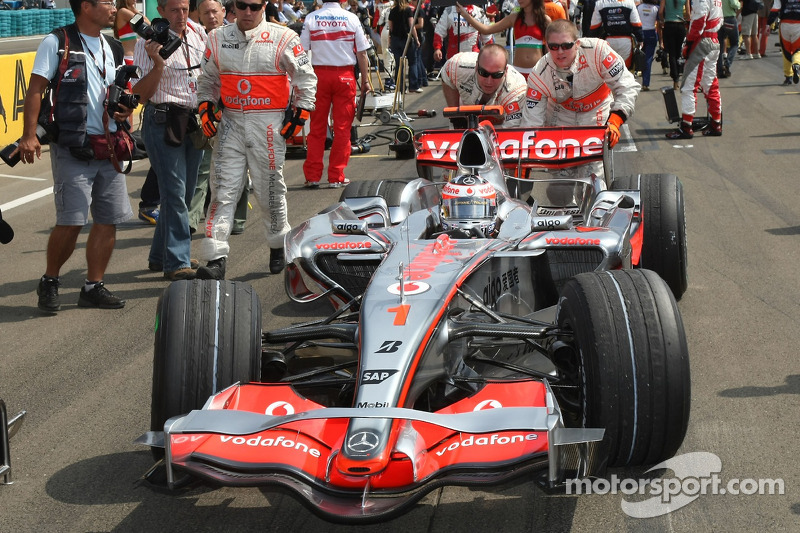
{"x":84,"y":376}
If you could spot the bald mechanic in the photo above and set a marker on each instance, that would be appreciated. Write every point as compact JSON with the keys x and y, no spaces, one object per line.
{"x":485,"y":78}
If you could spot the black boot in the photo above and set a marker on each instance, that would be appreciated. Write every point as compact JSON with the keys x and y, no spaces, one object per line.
{"x":714,"y":129}
{"x":215,"y":269}
{"x":276,"y":260}
{"x":684,"y":132}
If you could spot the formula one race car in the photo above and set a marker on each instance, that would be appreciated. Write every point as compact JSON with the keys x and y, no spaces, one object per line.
{"x":476,"y":338}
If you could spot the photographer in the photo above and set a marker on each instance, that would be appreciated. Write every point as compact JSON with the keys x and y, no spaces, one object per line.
{"x":81,"y":178}
{"x":170,"y":87}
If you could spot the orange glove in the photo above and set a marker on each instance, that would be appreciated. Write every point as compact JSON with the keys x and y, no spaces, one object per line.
{"x":293,"y":124}
{"x":612,"y":128}
{"x":209,"y":116}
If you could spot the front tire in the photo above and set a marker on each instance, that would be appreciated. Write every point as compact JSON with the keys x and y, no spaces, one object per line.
{"x":208,"y":337}
{"x":629,"y":364}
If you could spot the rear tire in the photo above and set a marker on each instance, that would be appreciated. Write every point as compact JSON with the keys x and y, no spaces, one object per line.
{"x":208,"y":337}
{"x":630,"y":364}
{"x":664,"y":248}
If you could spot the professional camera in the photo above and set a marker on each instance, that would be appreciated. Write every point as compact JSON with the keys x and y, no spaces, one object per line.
{"x":116,"y":93}
{"x":157,"y":31}
{"x":12,"y":160}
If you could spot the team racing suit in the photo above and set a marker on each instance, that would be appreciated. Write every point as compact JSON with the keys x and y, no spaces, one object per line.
{"x":459,"y":73}
{"x":789,"y":13}
{"x":595,"y":85}
{"x":249,"y":73}
{"x":335,"y":38}
{"x":619,"y":21}
{"x":453,"y":26}
{"x":700,"y":71}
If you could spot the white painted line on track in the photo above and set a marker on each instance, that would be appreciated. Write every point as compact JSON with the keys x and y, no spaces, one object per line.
{"x":26,"y":199}
{"x":25,"y":178}
{"x":626,"y":144}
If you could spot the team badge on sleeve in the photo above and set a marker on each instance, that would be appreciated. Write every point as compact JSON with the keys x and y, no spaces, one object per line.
{"x":533,"y":94}
{"x":298,"y":50}
{"x":207,"y":54}
{"x":609,"y":60}
{"x":512,"y":107}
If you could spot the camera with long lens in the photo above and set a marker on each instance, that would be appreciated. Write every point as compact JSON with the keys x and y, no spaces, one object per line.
{"x":12,"y":160}
{"x":116,"y":92}
{"x":157,"y":31}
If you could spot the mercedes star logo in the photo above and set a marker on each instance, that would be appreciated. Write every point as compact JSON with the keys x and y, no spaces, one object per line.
{"x":363,"y":442}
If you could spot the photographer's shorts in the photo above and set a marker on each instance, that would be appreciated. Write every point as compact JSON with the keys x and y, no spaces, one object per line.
{"x":77,"y":185}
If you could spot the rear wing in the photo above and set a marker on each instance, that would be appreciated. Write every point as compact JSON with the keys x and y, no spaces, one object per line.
{"x":546,"y":147}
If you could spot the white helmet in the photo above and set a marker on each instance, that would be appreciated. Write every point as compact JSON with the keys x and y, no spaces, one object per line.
{"x":469,"y":202}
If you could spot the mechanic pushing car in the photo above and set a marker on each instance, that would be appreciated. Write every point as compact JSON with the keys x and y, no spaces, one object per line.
{"x":248,"y":66}
{"x":580,"y":82}
{"x":484,"y":78}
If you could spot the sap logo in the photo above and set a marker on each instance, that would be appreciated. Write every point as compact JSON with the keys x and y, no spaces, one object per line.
{"x":373,"y":377}
{"x":389,"y":346}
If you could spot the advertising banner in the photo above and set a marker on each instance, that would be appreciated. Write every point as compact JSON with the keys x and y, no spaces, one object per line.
{"x":16,"y":71}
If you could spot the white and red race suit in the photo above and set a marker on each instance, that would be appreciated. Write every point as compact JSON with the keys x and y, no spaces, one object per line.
{"x":459,"y":73}
{"x":700,"y":70}
{"x":448,"y":27}
{"x":789,"y":13}
{"x":249,"y":73}
{"x":618,"y":21}
{"x":596,"y":84}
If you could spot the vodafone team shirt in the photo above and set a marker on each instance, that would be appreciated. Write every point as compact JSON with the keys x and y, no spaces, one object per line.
{"x":333,"y":36}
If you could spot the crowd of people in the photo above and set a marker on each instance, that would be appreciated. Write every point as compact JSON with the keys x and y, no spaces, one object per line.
{"x":244,"y":76}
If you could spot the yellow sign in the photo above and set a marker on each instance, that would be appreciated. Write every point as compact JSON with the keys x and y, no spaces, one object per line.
{"x":13,"y":87}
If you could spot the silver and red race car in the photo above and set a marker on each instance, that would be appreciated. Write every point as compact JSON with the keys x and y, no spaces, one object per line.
{"x":462,"y":350}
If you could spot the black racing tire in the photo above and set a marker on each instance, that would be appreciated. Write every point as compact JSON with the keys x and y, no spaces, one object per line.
{"x":664,"y":247}
{"x":202,"y":326}
{"x":389,"y":190}
{"x":630,"y":363}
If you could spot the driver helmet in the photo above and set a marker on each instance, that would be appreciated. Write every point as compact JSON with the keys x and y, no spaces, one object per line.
{"x":469,"y":201}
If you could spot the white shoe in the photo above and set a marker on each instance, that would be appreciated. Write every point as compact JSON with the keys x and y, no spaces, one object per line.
{"x":337,"y":184}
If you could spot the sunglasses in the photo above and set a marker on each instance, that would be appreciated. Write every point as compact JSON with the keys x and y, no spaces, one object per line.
{"x":494,"y":75}
{"x":563,"y":46}
{"x":252,"y":7}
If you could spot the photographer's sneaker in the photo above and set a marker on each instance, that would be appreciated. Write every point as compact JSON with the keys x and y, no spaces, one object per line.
{"x":48,"y":295}
{"x":149,"y":215}
{"x":99,"y":297}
